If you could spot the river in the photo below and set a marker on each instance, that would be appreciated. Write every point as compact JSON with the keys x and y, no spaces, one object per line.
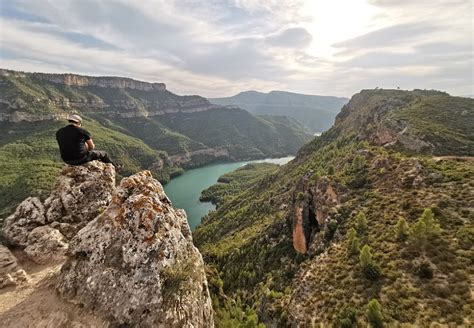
{"x":184,"y":190}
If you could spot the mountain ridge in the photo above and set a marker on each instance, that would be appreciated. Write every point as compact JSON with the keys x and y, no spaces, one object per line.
{"x":315,"y":112}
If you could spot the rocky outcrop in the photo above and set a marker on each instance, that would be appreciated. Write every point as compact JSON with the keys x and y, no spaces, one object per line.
{"x":136,"y":262}
{"x":43,"y":228}
{"x":367,"y":116}
{"x":315,"y":205}
{"x":11,"y":274}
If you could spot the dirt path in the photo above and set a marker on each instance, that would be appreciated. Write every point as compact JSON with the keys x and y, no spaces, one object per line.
{"x":36,"y":304}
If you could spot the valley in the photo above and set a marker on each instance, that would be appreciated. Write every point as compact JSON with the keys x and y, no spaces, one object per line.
{"x":142,"y":125}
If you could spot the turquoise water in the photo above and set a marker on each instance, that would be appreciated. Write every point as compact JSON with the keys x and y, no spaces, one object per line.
{"x":184,"y":191}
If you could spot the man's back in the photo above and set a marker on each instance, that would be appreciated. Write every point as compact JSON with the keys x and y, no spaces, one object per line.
{"x":71,"y":140}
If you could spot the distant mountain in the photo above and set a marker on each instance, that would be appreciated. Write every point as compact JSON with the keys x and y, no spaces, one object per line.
{"x":316,"y":113}
{"x":376,"y":210}
{"x":143,"y":125}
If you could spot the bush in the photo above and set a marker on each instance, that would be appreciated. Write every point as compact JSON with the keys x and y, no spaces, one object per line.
{"x":424,"y":270}
{"x":300,"y":196}
{"x":372,"y":271}
{"x":331,"y":170}
{"x":346,"y":318}
{"x":374,"y":314}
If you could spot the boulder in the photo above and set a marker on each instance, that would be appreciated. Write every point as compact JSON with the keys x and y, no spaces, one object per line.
{"x":46,"y":245}
{"x":11,"y":274}
{"x":136,"y":263}
{"x":28,"y":215}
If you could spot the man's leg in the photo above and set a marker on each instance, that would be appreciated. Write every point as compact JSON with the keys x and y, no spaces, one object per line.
{"x":99,"y":155}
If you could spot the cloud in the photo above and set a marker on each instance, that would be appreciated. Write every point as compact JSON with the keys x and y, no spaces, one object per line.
{"x":388,"y":36}
{"x":220,"y":47}
{"x":295,"y":37}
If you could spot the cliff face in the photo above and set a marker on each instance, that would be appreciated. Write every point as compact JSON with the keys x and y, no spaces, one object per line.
{"x":129,"y":255}
{"x":111,"y":96}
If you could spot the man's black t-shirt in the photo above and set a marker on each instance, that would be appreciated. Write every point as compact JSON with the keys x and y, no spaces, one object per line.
{"x":71,"y":140}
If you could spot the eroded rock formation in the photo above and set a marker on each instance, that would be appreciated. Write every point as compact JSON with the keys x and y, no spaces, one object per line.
{"x":314,"y":203}
{"x":136,"y":262}
{"x":43,"y":228}
{"x":129,"y":255}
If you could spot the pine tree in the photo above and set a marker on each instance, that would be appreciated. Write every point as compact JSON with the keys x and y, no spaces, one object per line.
{"x":370,"y":269}
{"x":361,"y":223}
{"x":432,"y":228}
{"x":353,"y":243}
{"x":402,"y":229}
{"x":365,"y":256}
{"x":374,"y":314}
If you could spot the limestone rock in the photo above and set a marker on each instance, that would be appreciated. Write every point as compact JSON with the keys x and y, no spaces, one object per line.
{"x":28,"y":215}
{"x":80,"y":194}
{"x":46,"y":245}
{"x":136,"y":263}
{"x":314,"y":204}
{"x":11,"y":274}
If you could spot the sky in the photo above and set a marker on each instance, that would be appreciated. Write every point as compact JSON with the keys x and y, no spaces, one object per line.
{"x":218,"y":48}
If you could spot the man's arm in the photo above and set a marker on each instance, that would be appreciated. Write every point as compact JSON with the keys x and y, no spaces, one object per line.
{"x":90,"y":145}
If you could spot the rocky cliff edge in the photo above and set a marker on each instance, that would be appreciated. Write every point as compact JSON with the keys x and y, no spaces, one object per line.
{"x":128,"y":253}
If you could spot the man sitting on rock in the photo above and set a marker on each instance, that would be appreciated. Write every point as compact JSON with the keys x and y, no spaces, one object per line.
{"x":76,"y":145}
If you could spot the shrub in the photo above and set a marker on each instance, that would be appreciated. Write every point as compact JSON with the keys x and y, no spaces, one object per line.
{"x":374,"y":314}
{"x":465,"y":237}
{"x":300,"y":196}
{"x":331,"y":170}
{"x":372,"y":271}
{"x":402,"y":229}
{"x":424,"y":270}
{"x":346,"y":318}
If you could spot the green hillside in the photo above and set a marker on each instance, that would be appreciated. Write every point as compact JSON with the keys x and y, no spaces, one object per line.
{"x":232,"y":183}
{"x":412,"y":210}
